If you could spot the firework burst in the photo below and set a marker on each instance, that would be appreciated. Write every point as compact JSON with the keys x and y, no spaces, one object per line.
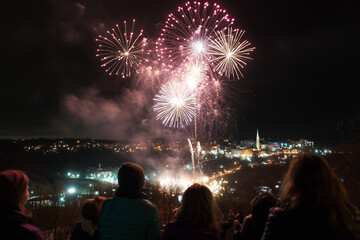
{"x":187,"y":33}
{"x":175,"y":104}
{"x":193,"y":73}
{"x":230,"y":53}
{"x":122,"y":51}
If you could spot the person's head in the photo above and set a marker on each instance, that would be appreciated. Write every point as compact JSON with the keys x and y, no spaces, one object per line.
{"x":261,"y":204}
{"x":131,"y":177}
{"x":90,"y":213}
{"x":310,"y":181}
{"x":91,"y":209}
{"x":14,"y":187}
{"x":199,"y":207}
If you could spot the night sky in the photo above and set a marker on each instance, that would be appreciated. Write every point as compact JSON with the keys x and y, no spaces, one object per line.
{"x":301,"y":83}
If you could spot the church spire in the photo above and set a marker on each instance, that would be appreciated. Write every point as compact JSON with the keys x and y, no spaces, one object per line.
{"x":257,"y":139}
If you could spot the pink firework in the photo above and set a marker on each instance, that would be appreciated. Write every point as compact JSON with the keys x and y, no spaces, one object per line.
{"x":187,"y":33}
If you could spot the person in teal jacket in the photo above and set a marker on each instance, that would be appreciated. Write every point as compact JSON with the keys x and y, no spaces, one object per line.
{"x":128,"y":215}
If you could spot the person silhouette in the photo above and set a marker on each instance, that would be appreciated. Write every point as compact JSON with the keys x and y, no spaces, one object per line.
{"x":197,"y":218}
{"x":14,"y":192}
{"x":253,"y":225}
{"x":87,"y":229}
{"x":315,"y":205}
{"x":128,"y":215}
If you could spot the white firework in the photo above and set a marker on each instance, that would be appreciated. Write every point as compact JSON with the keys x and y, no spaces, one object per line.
{"x":175,"y":105}
{"x":122,"y":51}
{"x":229,"y":52}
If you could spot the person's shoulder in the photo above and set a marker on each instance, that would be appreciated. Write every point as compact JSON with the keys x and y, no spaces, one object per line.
{"x":247,"y":221}
{"x":277,"y":211}
{"x":279,"y":216}
{"x":248,"y":217}
{"x":107,"y":202}
{"x":20,"y":226}
{"x":148,"y":203}
{"x":30,"y":231}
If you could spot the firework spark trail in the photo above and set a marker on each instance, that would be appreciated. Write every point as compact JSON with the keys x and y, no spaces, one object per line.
{"x":192,"y":154}
{"x":176,"y":105}
{"x":187,"y":33}
{"x":198,"y":152}
{"x":122,"y":51}
{"x":230,"y":53}
{"x":217,"y":101}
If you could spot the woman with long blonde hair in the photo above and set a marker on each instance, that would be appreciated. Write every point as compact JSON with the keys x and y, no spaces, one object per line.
{"x":315,"y":204}
{"x":197,"y":218}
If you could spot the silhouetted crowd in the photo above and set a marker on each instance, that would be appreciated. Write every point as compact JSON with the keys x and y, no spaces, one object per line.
{"x":313,"y":204}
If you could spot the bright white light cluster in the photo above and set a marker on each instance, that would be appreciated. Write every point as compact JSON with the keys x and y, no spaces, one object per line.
{"x":178,"y":183}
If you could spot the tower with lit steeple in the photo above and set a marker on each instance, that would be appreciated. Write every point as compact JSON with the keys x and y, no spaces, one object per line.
{"x":257,"y":139}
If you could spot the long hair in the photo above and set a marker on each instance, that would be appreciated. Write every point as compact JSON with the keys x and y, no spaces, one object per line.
{"x":310,"y":181}
{"x":199,"y":208}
